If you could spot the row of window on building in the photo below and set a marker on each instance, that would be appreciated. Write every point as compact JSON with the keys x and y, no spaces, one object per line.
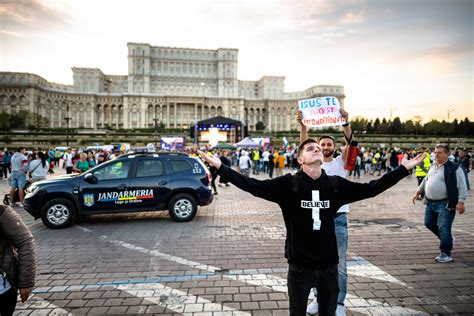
{"x":182,"y":54}
{"x":175,"y":68}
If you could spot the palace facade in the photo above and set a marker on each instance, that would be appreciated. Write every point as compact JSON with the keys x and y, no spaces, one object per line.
{"x":176,"y":87}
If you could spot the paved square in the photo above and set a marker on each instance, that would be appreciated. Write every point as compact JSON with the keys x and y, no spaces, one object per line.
{"x":229,"y":261}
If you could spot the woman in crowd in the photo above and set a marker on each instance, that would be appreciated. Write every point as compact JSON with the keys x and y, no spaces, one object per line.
{"x":91,"y":159}
{"x":81,"y":165}
{"x":38,"y":167}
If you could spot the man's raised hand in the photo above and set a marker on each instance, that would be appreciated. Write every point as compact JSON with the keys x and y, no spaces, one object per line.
{"x":211,"y":160}
{"x":344,"y":114}
{"x":410,"y":164}
{"x":299,"y":117}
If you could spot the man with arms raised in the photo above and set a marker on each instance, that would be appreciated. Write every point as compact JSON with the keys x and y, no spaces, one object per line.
{"x":309,"y":200}
{"x":334,"y":167}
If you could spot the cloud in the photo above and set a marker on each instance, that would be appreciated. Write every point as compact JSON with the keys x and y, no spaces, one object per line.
{"x":446,"y":59}
{"x":10,"y":33}
{"x":19,"y":16}
{"x":352,"y":18}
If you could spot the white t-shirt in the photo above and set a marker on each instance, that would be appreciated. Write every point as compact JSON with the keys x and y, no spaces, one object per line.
{"x":68,"y":157}
{"x":244,"y":162}
{"x":265,"y":155}
{"x":336,"y":168}
{"x":37,"y":170}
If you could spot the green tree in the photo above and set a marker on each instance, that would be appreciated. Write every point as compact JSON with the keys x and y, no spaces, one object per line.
{"x":466,"y":127}
{"x":384,"y":127}
{"x":376,"y":126}
{"x":433,"y":127}
{"x":409,"y":127}
{"x":259,"y":126}
{"x":370,"y":127}
{"x":396,"y":127}
{"x":358,"y":124}
{"x":4,"y":121}
{"x":36,"y":121}
{"x":18,"y":120}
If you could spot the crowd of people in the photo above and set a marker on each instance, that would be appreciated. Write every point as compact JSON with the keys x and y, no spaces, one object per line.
{"x":311,"y":176}
{"x":370,"y":162}
{"x":22,"y":167}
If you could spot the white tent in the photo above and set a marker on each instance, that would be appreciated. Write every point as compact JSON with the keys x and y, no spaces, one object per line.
{"x":247,"y":142}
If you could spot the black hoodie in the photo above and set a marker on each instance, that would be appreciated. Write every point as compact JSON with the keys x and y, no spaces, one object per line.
{"x":305,"y":246}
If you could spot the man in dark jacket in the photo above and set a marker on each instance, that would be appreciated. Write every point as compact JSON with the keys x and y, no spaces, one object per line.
{"x":309,"y":201}
{"x":444,"y":188}
{"x":17,"y":260}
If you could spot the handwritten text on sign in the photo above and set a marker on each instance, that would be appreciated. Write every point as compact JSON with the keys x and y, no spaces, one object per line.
{"x":322,"y":111}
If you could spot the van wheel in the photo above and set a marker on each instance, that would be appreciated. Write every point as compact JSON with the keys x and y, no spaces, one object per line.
{"x":57,"y":213}
{"x":183,"y":207}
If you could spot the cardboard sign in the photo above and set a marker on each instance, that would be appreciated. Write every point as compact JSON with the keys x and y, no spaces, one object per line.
{"x":323,"y":111}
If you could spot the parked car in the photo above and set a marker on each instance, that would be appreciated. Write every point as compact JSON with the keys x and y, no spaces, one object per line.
{"x":147,"y":181}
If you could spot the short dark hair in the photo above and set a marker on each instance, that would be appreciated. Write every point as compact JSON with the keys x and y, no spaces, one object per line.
{"x":444,"y":146}
{"x":327,"y":136}
{"x":306,"y":141}
{"x":20,"y":149}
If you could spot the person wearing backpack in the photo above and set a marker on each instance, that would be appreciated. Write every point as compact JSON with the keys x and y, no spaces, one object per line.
{"x":334,"y":166}
{"x":308,"y":212}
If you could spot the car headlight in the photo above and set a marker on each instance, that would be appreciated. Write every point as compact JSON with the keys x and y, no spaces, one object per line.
{"x":32,"y":189}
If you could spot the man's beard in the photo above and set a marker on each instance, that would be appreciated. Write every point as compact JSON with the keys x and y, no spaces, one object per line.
{"x":328,"y":153}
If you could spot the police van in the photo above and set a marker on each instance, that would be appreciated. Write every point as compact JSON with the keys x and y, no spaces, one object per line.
{"x":147,"y":181}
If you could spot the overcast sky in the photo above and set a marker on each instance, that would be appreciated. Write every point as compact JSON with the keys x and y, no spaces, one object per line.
{"x":414,"y":56}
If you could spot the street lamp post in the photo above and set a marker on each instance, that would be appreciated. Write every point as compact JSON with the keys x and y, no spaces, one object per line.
{"x":449,"y":126}
{"x":67,"y":119}
{"x":155,"y":120}
{"x":195,"y":129}
{"x":391,"y":126}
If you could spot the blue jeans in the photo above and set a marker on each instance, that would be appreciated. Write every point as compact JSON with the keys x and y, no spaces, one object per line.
{"x":342,"y":237}
{"x":256,"y":166}
{"x":466,"y":176}
{"x":439,"y":220}
{"x":18,"y":179}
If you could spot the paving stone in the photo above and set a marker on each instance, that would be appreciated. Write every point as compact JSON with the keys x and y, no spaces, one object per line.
{"x":76,"y":303}
{"x":250,"y":305}
{"x":81,"y":267}
{"x":81,"y":311}
{"x":98,"y":310}
{"x":242,"y":297}
{"x":268,"y":305}
{"x":277,"y":296}
{"x":117,"y":310}
{"x":95,"y":302}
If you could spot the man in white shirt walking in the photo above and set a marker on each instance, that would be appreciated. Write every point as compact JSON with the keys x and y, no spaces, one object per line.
{"x":68,"y":161}
{"x":244,"y":163}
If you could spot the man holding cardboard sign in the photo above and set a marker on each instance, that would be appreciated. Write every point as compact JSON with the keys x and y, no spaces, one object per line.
{"x":330,"y":109}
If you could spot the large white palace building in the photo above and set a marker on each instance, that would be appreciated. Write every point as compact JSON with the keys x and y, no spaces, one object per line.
{"x":174,"y":86}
